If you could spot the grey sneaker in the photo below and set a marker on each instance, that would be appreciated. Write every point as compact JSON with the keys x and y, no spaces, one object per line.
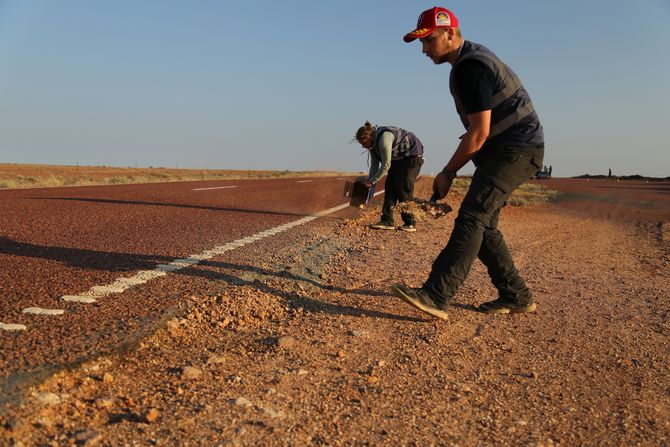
{"x":421,"y":299}
{"x":381,"y":225}
{"x":408,"y":228}
{"x":500,"y":306}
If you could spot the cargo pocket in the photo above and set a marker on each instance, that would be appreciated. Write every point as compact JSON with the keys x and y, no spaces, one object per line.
{"x":488,"y":198}
{"x":510,"y":156}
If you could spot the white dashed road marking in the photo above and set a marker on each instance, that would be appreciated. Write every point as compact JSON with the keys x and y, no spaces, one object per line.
{"x":40,"y":311}
{"x":12,"y":327}
{"x":122,"y":284}
{"x":78,"y":299}
{"x":214,"y":187}
{"x":106,"y":290}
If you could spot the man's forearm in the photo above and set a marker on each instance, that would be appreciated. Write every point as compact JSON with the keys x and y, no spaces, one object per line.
{"x":379,"y":173}
{"x":467,"y":148}
{"x":472,"y":141}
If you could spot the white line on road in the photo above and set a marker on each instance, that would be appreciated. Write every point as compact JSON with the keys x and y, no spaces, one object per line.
{"x":106,"y":290}
{"x":12,"y":327}
{"x":122,"y":284}
{"x":214,"y":187}
{"x":40,"y":311}
{"x":304,"y":181}
{"x":78,"y":299}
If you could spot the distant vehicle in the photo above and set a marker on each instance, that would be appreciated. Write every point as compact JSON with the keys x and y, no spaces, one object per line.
{"x":544,"y":173}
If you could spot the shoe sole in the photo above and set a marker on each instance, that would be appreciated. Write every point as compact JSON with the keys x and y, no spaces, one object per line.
{"x":413,"y":230}
{"x":442,"y":315}
{"x":381,"y":228}
{"x":509,"y":310}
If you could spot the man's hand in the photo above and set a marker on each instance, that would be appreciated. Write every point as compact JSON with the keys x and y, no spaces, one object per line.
{"x":441,"y":185}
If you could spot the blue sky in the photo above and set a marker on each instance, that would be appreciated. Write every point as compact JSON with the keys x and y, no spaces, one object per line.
{"x":284,"y":85}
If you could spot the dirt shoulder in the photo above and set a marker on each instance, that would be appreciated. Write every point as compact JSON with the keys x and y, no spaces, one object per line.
{"x":309,"y":348}
{"x":14,"y":176}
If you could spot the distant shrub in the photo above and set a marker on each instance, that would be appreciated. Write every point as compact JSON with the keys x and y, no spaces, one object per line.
{"x":50,"y":176}
{"x":26,"y":180}
{"x":526,"y":194}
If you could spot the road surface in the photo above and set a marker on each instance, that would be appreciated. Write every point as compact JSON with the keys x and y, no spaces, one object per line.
{"x":86,"y":269}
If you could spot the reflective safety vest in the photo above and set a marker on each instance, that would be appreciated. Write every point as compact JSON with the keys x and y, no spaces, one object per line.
{"x":511,"y":102}
{"x":405,"y":143}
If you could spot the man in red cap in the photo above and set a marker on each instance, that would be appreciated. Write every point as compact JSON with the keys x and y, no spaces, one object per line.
{"x":505,"y":140}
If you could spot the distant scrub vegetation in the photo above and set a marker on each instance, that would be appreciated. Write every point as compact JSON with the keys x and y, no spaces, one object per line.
{"x":526,"y":194}
{"x":14,"y":176}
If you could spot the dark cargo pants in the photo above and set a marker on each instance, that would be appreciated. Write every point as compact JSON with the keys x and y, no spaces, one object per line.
{"x":476,"y":234}
{"x":399,"y":187}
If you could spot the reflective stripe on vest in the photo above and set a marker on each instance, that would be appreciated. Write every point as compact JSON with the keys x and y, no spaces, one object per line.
{"x":405,"y":143}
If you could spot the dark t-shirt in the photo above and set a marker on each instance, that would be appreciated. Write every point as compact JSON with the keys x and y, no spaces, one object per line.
{"x":475,"y":86}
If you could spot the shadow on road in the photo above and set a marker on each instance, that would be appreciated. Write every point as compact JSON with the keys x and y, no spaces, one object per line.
{"x":129,"y":262}
{"x":171,"y":205}
{"x":294,"y":291}
{"x":293,"y":299}
{"x":83,"y":258}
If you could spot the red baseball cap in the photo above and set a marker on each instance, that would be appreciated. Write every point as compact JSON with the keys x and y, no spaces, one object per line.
{"x":430,"y":20}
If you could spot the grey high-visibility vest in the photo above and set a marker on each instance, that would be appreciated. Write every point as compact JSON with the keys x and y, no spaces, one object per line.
{"x":511,"y":102}
{"x":405,"y":143}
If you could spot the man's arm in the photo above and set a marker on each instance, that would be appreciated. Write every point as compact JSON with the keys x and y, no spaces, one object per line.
{"x":472,"y":141}
{"x":374,"y":167}
{"x":385,"y":145}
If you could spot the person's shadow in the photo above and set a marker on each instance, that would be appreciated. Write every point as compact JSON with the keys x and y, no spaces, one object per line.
{"x":292,"y":298}
{"x":82,"y":258}
{"x":171,"y":205}
{"x":229,"y":273}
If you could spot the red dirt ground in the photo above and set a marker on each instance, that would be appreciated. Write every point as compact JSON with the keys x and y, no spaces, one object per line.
{"x":309,"y":348}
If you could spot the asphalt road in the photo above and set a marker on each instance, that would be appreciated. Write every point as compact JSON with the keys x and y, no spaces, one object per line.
{"x":79,"y":243}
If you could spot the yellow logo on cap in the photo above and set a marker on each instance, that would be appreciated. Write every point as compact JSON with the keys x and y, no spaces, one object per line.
{"x":416,"y":32}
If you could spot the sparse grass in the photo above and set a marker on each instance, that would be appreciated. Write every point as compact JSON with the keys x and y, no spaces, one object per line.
{"x":460,"y":185}
{"x":530,"y":193}
{"x":526,"y":194}
{"x":14,"y":176}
